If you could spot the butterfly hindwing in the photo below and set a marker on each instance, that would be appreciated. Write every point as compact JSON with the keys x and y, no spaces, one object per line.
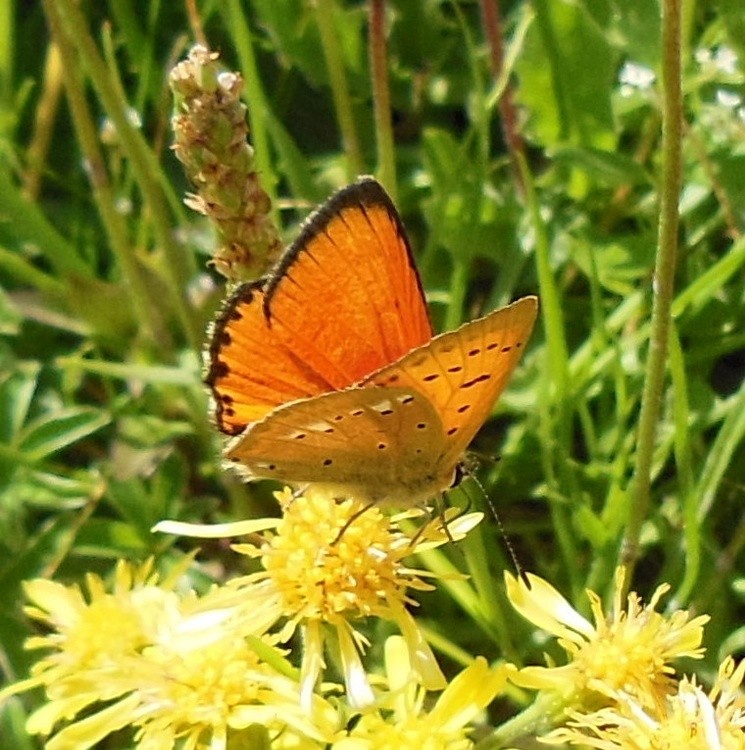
{"x":374,"y":443}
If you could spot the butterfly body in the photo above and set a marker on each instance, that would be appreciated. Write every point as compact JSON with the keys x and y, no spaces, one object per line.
{"x":329,"y":374}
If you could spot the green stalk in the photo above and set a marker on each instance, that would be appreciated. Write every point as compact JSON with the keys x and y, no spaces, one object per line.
{"x":556,"y":421}
{"x":458,"y":289}
{"x":179,"y":266}
{"x":664,"y":275}
{"x":547,"y":711}
{"x":259,"y":113}
{"x":492,"y":604}
{"x":339,"y":87}
{"x":145,"y":308}
{"x":7,"y":54}
{"x":45,"y":120}
{"x":684,"y":465}
{"x":382,"y":97}
{"x":30,"y":224}
{"x":18,"y":268}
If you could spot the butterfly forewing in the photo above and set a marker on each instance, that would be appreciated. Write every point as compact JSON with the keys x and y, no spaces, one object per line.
{"x":463,"y":372}
{"x":250,"y":371}
{"x":344,"y":301}
{"x":347,"y":297}
{"x":378,"y":444}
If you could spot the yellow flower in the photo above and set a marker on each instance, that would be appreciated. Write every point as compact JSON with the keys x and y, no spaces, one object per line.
{"x":331,"y":562}
{"x":93,"y":633}
{"x":175,"y":669}
{"x":204,"y":682}
{"x":690,"y":719}
{"x":408,"y":720}
{"x":629,"y":650}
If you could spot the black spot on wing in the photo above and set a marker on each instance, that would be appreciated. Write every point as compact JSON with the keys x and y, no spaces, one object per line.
{"x":475,"y":381}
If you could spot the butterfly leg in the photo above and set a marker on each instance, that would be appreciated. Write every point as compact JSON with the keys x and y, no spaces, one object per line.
{"x":431,"y":514}
{"x":350,"y":521}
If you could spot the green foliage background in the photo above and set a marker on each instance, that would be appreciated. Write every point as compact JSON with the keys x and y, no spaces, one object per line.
{"x":105,"y":294}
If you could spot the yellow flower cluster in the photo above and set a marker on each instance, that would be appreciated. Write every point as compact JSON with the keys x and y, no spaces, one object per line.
{"x":181,"y":670}
{"x":166,"y":665}
{"x":177,"y":670}
{"x":618,"y":690}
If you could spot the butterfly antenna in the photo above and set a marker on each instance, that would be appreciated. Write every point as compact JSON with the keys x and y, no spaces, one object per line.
{"x":500,"y":526}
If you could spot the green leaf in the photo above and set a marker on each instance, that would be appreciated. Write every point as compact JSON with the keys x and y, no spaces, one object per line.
{"x":293,"y":32}
{"x":10,"y":317}
{"x":566,"y":76}
{"x":635,"y":29}
{"x":145,"y":502}
{"x":618,"y":265}
{"x":112,"y":540}
{"x":17,"y":388}
{"x":52,"y":492}
{"x":55,"y":431}
{"x":605,"y":168}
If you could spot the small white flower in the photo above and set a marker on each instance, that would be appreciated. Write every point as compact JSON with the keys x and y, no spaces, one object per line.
{"x":635,"y":77}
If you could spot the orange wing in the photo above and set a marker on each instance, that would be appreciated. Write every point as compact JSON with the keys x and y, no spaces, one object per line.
{"x":376,"y":444}
{"x":346,"y":296}
{"x":344,"y":301}
{"x":463,"y":372}
{"x":399,"y":434}
{"x":250,"y":371}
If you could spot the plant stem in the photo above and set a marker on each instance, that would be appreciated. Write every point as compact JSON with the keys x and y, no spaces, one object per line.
{"x":259,"y":113}
{"x":45,"y":118}
{"x":663,"y":284}
{"x":31,"y":225}
{"x":17,"y":267}
{"x":179,"y":266}
{"x":144,"y":306}
{"x":555,"y":407}
{"x":546,"y":712}
{"x":514,"y":142}
{"x":339,"y":88}
{"x":382,"y":97}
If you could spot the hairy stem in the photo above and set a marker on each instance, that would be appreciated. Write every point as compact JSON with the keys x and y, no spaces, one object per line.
{"x":664,"y":273}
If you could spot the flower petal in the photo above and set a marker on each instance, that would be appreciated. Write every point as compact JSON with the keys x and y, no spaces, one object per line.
{"x":545,"y":607}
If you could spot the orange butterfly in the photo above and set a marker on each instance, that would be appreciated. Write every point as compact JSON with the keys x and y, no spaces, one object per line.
{"x":327,"y":372}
